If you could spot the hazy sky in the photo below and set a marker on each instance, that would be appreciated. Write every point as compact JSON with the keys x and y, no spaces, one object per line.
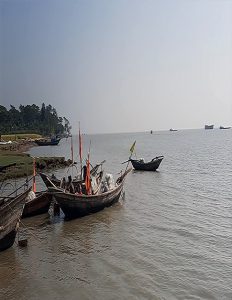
{"x":122,"y":65}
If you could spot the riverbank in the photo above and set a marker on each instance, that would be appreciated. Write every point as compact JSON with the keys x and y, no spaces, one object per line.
{"x":14,"y":152}
{"x":24,"y":164}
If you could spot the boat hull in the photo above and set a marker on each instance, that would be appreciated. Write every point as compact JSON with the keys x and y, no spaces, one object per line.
{"x":149,"y":166}
{"x":75,"y":206}
{"x":10,"y":213}
{"x":37,"y":206}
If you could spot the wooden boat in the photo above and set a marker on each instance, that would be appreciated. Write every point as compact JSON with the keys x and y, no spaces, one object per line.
{"x":38,"y":205}
{"x":11,"y":209}
{"x":209,"y":126}
{"x":77,"y":205}
{"x":50,"y":181}
{"x":140,"y":164}
{"x":47,"y":142}
{"x":221,"y":127}
{"x":171,"y":129}
{"x":61,"y":182}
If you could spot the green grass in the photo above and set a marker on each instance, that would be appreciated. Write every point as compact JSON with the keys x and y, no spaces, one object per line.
{"x":24,"y":164}
{"x":20,"y":136}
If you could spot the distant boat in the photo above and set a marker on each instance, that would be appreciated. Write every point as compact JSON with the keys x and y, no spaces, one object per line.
{"x":47,"y":142}
{"x":209,"y":126}
{"x":221,"y":127}
{"x":171,"y":129}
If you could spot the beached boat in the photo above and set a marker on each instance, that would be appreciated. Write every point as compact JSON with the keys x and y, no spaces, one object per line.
{"x":140,"y":164}
{"x":209,"y":126}
{"x":222,"y":127}
{"x":77,"y":205}
{"x":36,"y":204}
{"x":11,"y":209}
{"x":47,"y":142}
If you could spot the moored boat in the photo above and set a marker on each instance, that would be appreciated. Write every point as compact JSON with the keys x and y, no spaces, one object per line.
{"x":222,"y":127}
{"x":11,"y":209}
{"x":140,"y":164}
{"x":36,"y":204}
{"x":171,"y":129}
{"x":76,"y":205}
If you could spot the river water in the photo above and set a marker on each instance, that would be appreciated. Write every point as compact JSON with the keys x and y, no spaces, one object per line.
{"x":169,"y":238}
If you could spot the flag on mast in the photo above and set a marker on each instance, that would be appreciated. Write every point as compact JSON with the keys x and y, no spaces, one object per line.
{"x":132,"y":148}
{"x":87,"y":178}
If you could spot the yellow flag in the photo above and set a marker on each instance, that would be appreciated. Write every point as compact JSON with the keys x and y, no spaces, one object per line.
{"x":132,"y":147}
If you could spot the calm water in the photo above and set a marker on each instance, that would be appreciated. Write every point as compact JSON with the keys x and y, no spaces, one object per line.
{"x":170,"y":238}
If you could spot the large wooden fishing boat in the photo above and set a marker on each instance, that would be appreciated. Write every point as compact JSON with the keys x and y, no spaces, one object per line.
{"x":38,"y":205}
{"x":140,"y":164}
{"x":11,"y":209}
{"x":77,"y":205}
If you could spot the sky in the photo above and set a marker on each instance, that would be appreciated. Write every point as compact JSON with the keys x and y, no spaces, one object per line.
{"x":120,"y":65}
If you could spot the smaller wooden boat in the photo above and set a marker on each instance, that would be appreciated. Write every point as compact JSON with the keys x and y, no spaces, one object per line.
{"x":47,"y":142}
{"x":140,"y":164}
{"x":11,"y":209}
{"x":77,"y":205}
{"x":62,"y":182}
{"x":171,"y":129}
{"x":221,"y":127}
{"x":36,"y":204}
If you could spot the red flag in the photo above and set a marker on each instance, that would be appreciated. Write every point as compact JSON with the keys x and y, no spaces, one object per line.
{"x":34,"y":174}
{"x":87,"y":178}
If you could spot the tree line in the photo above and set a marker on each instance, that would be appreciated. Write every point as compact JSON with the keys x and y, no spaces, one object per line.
{"x":32,"y":119}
